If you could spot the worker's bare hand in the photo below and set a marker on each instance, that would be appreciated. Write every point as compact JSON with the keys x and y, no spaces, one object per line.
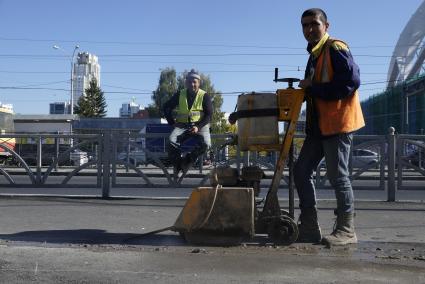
{"x":194,"y":129}
{"x":304,"y":84}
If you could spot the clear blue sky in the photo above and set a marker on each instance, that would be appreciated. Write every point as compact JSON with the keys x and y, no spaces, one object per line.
{"x":237,"y":43}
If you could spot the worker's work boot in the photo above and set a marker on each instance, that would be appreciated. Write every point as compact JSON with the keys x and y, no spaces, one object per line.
{"x":187,"y":162}
{"x":308,"y":226}
{"x":343,"y":233}
{"x":176,"y":168}
{"x":174,"y":155}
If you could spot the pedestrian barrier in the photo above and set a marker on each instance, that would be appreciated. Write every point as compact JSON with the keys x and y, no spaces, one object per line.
{"x":112,"y":160}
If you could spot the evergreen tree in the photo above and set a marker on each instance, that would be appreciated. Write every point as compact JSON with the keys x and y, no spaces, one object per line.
{"x":92,"y":103}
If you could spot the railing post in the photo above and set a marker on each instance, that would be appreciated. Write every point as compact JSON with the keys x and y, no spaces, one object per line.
{"x":99,"y":157}
{"x":391,"y":187}
{"x":106,"y":164}
{"x":113,"y":158}
{"x":291,"y":188}
{"x":400,"y":147}
{"x":238,"y":158}
{"x":247,"y":158}
{"x":57,"y":151}
{"x":128,"y":150}
{"x":317,"y":177}
{"x":201,"y":163}
{"x":39,"y":159}
{"x":382,"y":164}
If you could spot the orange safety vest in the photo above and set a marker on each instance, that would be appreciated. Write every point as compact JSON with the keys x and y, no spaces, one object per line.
{"x":341,"y":116}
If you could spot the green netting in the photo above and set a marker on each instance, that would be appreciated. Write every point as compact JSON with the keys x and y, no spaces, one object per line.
{"x":385,"y":109}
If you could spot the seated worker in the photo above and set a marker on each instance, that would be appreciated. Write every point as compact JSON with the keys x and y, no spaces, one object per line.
{"x":194,"y":112}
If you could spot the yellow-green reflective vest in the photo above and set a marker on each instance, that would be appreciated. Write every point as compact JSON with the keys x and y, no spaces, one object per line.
{"x":184,"y":115}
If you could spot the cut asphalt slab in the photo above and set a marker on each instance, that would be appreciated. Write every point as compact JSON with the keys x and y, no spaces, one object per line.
{"x":83,"y":240}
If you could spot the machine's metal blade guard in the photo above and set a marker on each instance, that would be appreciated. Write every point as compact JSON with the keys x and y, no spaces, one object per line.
{"x":218,"y":213}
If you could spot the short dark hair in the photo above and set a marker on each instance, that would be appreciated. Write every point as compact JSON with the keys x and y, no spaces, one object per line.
{"x":315,"y":12}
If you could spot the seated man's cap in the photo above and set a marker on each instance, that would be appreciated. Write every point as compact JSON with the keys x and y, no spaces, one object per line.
{"x":193,"y":74}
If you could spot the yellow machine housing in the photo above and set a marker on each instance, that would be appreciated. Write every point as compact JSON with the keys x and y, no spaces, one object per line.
{"x":254,"y":132}
{"x":219,"y":215}
{"x":289,"y":102}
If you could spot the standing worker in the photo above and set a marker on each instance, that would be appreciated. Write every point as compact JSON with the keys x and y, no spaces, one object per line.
{"x":194,"y":112}
{"x":333,"y":114}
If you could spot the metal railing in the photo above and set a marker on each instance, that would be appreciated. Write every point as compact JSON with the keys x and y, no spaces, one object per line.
{"x":400,"y":159}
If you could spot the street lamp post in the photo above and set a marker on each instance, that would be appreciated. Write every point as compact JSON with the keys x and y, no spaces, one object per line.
{"x":72,"y":74}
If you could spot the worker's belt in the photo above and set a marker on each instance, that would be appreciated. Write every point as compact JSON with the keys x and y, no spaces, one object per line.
{"x":252,"y":113}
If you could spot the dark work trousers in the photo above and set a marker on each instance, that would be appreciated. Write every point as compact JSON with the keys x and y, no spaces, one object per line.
{"x":180,"y":134}
{"x":336,"y":151}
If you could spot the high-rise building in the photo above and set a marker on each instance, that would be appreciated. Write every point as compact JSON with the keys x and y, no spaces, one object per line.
{"x":86,"y":69}
{"x":128,"y":110}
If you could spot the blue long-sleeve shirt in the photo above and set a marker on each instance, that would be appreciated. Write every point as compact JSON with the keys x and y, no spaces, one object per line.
{"x":346,"y":79}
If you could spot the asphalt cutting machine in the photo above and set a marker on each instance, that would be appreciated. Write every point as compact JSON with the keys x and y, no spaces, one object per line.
{"x":227,"y":212}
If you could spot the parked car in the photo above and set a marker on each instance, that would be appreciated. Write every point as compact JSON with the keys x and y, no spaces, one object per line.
{"x":363,"y":157}
{"x":417,"y":158}
{"x":359,"y":159}
{"x":78,"y":157}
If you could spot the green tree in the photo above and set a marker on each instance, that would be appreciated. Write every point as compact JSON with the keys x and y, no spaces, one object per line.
{"x":92,"y":103}
{"x":218,"y":122}
{"x":167,"y":86}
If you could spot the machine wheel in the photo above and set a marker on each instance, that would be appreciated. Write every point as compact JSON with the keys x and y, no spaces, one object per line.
{"x":282,"y":230}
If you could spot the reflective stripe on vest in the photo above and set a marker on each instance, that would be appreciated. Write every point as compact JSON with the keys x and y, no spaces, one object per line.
{"x":184,"y":115}
{"x":341,"y":116}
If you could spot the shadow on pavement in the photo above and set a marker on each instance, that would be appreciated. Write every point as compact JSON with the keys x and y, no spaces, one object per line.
{"x":102,"y":237}
{"x":94,"y":237}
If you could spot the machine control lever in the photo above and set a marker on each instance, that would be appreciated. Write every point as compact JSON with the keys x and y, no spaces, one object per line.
{"x":290,"y":81}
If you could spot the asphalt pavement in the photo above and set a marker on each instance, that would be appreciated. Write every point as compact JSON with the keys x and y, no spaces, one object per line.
{"x":83,"y":240}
